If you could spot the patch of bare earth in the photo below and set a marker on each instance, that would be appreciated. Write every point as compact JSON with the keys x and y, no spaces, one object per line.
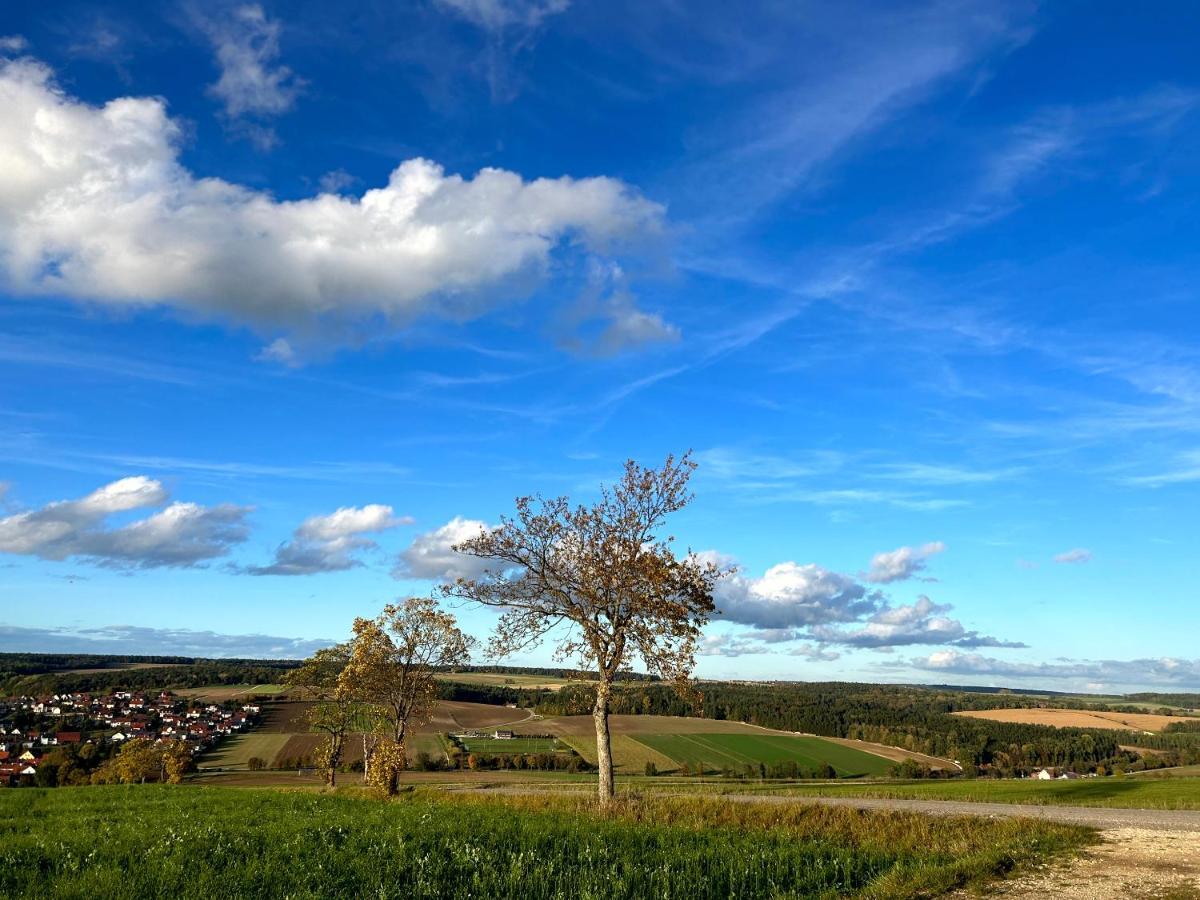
{"x":1131,"y":863}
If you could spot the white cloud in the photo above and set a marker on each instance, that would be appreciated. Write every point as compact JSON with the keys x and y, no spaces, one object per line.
{"x":430,"y":556}
{"x":125,"y":639}
{"x":95,"y":205}
{"x":922,"y":622}
{"x":497,"y":15}
{"x":1109,"y":672}
{"x":331,"y":543}
{"x":789,"y":595}
{"x":181,"y":535}
{"x":252,"y":84}
{"x":902,"y":563}
{"x":1078,"y":555}
{"x":13,"y":43}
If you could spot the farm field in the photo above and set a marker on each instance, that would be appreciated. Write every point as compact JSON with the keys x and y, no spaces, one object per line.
{"x":492,"y":746}
{"x":504,"y":679}
{"x":306,"y":844}
{"x":666,"y":741}
{"x":1125,"y":792}
{"x":218,"y":693}
{"x":714,"y":752}
{"x":629,"y":754}
{"x":237,"y":751}
{"x":1077,"y":718}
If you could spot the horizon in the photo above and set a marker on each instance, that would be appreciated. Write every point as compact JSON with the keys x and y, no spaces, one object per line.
{"x":292,"y":299}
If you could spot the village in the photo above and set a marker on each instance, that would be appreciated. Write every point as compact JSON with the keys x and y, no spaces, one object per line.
{"x":31,"y":727}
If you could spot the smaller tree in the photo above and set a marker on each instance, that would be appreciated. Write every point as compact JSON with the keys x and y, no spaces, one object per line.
{"x":392,"y":665}
{"x":334,"y":705}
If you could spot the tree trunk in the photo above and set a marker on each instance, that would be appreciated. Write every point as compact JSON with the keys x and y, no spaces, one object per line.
{"x":603,"y":743}
{"x":368,"y":740}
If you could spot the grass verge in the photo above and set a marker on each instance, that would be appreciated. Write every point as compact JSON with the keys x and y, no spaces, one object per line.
{"x":203,"y":842}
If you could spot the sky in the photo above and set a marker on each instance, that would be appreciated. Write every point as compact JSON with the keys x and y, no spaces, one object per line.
{"x":295,"y":296}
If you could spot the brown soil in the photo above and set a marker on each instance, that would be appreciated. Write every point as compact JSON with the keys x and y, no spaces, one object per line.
{"x":1078,"y":718}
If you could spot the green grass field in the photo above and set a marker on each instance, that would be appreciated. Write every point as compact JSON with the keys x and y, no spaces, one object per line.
{"x":236,"y":752}
{"x":493,"y":747}
{"x":1124,"y":792}
{"x":199,"y":842}
{"x":735,"y":751}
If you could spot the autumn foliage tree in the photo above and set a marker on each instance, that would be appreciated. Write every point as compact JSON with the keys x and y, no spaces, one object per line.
{"x":604,"y":579}
{"x":333,"y":711}
{"x":392,"y":667}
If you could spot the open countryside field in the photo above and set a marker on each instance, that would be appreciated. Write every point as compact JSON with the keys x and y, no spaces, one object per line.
{"x":668,"y":742}
{"x":208,"y":842}
{"x":503,"y":679}
{"x":641,"y":739}
{"x":1077,"y":718}
{"x":236,"y":752}
{"x":715,"y":752}
{"x":218,"y":693}
{"x":492,"y":746}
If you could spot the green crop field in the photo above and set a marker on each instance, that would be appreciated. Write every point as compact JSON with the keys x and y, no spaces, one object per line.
{"x":236,"y":752}
{"x":201,"y":842}
{"x":493,"y":746}
{"x":736,"y":751}
{"x":1124,"y":792}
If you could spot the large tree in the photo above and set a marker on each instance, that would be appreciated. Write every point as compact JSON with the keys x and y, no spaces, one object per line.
{"x":334,"y":708}
{"x":604,"y":579}
{"x":393,"y":663}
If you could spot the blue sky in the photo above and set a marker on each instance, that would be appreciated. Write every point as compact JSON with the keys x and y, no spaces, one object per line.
{"x":292,"y":295}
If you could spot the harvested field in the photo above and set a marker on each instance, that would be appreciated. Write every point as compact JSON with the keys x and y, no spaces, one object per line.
{"x":1078,"y":718}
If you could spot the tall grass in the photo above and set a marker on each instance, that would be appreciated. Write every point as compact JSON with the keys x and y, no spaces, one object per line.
{"x":152,"y":841}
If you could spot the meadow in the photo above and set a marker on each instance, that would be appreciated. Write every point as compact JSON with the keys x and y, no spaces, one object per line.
{"x":195,"y":842}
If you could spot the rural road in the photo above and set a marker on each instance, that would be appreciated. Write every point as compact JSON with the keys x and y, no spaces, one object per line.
{"x":1097,"y":817}
{"x":1177,"y":820}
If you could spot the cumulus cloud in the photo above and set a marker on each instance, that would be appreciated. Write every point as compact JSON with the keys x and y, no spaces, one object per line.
{"x":923,"y":622}
{"x":134,"y":639}
{"x":902,"y":563}
{"x":430,"y":554}
{"x":95,"y":205}
{"x":1098,"y":673}
{"x":331,"y":543}
{"x":789,"y":595}
{"x":252,"y":85}
{"x":181,"y":535}
{"x":1076,"y":556}
{"x":792,"y":603}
